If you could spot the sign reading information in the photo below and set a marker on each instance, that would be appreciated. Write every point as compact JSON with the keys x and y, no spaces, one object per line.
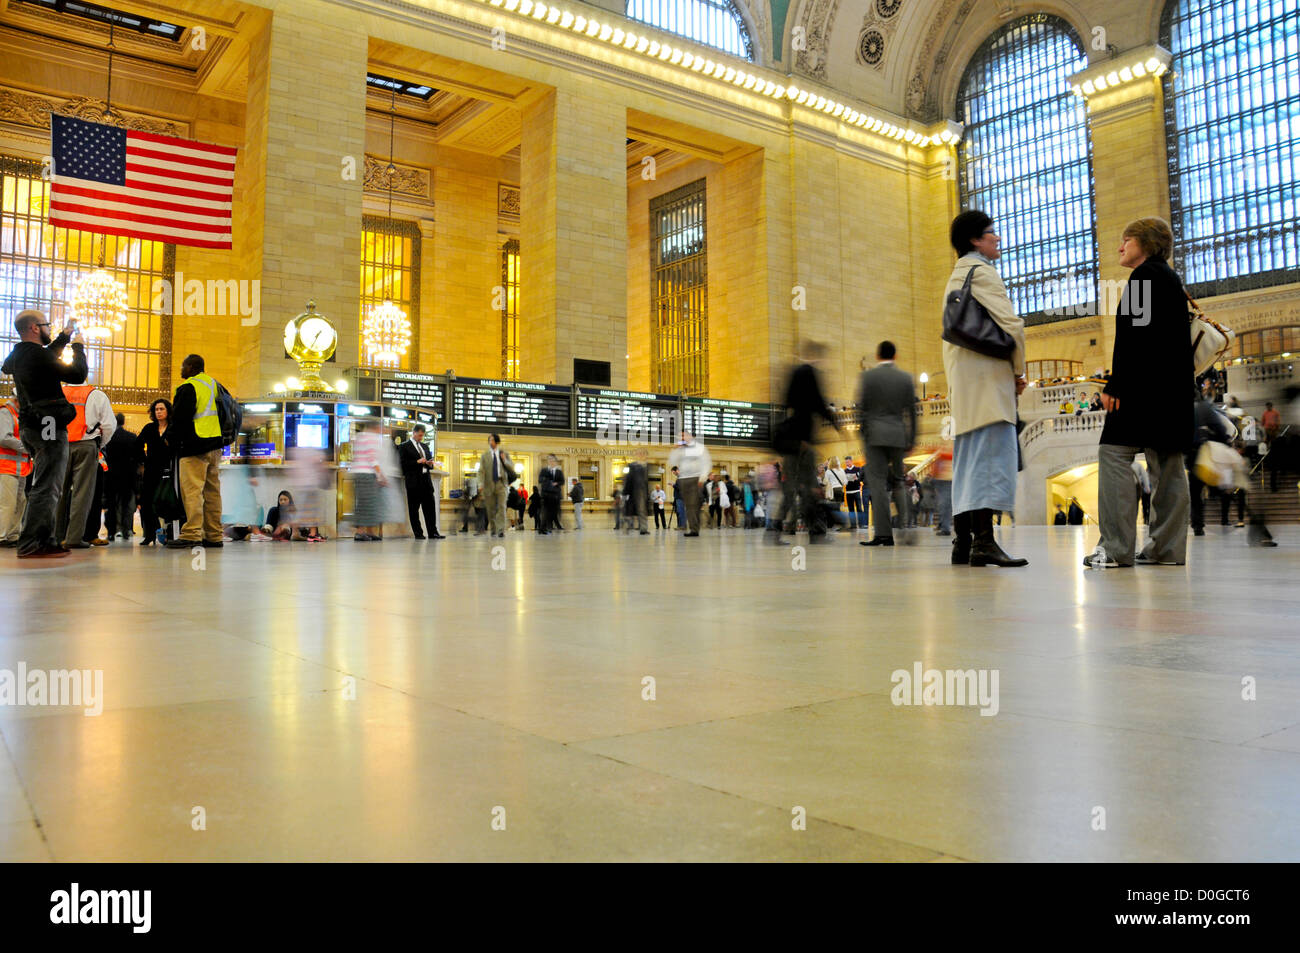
{"x":414,"y":390}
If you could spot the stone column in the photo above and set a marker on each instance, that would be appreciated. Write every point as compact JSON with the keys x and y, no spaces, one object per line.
{"x":573,"y":235}
{"x":1131,"y":176}
{"x":305,"y":132}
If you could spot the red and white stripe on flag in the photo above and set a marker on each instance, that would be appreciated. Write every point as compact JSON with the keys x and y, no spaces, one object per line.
{"x":174,"y":190}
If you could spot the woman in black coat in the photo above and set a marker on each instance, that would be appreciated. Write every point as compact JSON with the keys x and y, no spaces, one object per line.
{"x":1148,"y":404}
{"x":153,"y":452}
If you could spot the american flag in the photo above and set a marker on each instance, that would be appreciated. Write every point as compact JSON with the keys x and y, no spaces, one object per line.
{"x":123,"y":182}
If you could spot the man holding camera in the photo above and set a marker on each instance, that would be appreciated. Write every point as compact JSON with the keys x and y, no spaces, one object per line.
{"x":44,"y":415}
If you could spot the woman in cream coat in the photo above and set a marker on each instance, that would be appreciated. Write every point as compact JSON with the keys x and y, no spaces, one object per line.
{"x":982,"y":393}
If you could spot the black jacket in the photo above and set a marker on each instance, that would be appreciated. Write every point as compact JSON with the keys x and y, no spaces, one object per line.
{"x":412,"y":471}
{"x":636,"y":485}
{"x":1211,"y":423}
{"x":180,"y":434}
{"x":552,"y":482}
{"x":119,"y":454}
{"x":151,"y":450}
{"x":1151,"y":371}
{"x":803,"y":399}
{"x":39,"y":374}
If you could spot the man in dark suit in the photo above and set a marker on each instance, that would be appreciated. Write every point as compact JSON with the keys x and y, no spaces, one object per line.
{"x":497,"y":473}
{"x":416,"y":463}
{"x":887,"y":413}
{"x":551,"y":486}
{"x":636,"y":493}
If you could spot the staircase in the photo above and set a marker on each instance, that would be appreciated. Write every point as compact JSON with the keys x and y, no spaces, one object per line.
{"x":1276,"y":508}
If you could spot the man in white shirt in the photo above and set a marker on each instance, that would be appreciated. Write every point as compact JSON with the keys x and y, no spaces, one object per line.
{"x":89,"y":430}
{"x":692,"y":460}
{"x":658,"y":497}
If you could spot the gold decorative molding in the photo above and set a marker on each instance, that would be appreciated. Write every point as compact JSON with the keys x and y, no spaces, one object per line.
{"x":508,"y":201}
{"x":408,"y":180}
{"x":32,"y":109}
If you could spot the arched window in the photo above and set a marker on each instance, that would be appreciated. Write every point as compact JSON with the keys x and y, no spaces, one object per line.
{"x":1232,"y":118}
{"x":1026,"y":161}
{"x":715,"y":23}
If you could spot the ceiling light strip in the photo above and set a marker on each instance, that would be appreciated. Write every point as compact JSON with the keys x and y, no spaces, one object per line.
{"x":722,"y":72}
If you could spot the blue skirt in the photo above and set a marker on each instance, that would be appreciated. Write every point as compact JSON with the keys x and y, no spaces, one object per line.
{"x":984,"y":464}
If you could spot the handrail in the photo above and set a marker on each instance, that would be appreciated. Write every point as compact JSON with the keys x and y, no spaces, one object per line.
{"x":1270,"y":372}
{"x":1085,"y":423}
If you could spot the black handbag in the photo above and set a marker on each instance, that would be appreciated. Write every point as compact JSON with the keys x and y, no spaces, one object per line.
{"x":968,"y":324}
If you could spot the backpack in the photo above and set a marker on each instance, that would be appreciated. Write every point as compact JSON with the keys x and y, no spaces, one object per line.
{"x":230,"y":414}
{"x":512,"y":501}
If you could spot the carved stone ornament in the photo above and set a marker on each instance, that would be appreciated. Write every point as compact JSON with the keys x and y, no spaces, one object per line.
{"x":923,"y":89}
{"x":507,"y":200}
{"x":878,"y":26}
{"x":817,"y":17}
{"x":406,"y":179}
{"x":31,"y":109}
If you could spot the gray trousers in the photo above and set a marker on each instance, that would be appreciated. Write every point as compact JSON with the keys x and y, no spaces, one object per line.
{"x":78,"y":491}
{"x":884,"y":472}
{"x":1118,"y":504}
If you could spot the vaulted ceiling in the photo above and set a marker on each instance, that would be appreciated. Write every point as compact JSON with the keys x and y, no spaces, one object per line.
{"x":907,"y":56}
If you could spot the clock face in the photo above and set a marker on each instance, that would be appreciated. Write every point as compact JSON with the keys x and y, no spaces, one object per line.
{"x":290,"y":333}
{"x":317,"y":335}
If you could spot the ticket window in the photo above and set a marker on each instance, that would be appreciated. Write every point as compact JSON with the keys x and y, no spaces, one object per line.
{"x":618,"y":473}
{"x":261,"y":438}
{"x":469,"y":464}
{"x":348,"y":416}
{"x":523,"y":466}
{"x":443,"y":460}
{"x":589,"y":473}
{"x":658,"y":473}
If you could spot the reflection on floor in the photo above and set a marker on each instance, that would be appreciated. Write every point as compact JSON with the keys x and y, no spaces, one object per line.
{"x":405,"y":700}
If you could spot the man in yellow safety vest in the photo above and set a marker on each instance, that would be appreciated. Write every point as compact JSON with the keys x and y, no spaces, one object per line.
{"x":195,"y":436}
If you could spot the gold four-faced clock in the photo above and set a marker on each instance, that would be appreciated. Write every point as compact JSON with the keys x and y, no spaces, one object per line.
{"x":310,"y":340}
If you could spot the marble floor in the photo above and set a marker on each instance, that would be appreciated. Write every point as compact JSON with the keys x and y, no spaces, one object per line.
{"x":477,"y":699}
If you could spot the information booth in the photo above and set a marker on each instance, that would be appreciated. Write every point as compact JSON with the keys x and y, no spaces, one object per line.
{"x":303,"y":446}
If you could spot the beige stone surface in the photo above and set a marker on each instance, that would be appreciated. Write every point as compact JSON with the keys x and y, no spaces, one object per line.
{"x":378,"y":701}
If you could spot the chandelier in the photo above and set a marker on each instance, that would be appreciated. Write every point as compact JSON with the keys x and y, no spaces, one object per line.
{"x":99,"y":305}
{"x":386,"y":330}
{"x":99,"y":301}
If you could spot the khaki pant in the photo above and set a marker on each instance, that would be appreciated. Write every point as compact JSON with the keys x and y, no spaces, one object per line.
{"x":494,"y":497}
{"x":201,"y":494}
{"x":13,"y":503}
{"x":690,"y":489}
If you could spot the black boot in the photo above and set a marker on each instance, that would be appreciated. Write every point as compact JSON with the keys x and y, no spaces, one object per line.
{"x":984,"y":550}
{"x":961,"y":539}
